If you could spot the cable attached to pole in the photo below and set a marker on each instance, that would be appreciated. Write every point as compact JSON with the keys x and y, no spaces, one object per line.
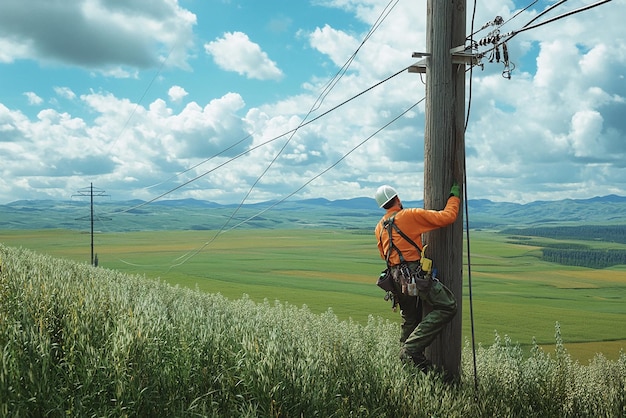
{"x":467,"y":231}
{"x":469,"y":281}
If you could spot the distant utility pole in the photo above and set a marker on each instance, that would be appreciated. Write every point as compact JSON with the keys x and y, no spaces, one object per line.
{"x":444,"y":155}
{"x":91,"y":192}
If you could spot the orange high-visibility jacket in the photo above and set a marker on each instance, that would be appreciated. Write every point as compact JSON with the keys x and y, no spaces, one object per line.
{"x":413,"y":222}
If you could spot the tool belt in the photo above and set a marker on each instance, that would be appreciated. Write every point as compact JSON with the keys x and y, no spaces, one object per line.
{"x":411,"y":278}
{"x":407,"y":278}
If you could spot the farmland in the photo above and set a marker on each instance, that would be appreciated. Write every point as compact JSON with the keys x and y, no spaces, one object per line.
{"x":84,"y":341}
{"x":515,"y":293}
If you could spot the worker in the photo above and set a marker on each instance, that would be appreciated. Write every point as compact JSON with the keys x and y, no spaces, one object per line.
{"x":399,"y":235}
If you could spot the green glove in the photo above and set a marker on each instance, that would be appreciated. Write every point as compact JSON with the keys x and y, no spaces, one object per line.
{"x":455,"y":190}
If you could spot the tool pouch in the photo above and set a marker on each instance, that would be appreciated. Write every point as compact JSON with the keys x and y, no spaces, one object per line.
{"x":414,"y":281}
{"x":423,"y":281}
{"x":385,"y":281}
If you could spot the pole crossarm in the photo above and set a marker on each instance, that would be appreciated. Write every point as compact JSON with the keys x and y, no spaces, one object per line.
{"x":459,"y":56}
{"x":420,"y":66}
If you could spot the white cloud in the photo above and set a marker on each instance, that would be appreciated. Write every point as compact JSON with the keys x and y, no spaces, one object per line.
{"x":586,"y":130}
{"x":177,"y":94}
{"x":236,"y":52}
{"x":103,"y":35}
{"x":65,"y":92}
{"x":33,"y":99}
{"x":555,"y":122}
{"x":338,"y":45}
{"x":151,"y":145}
{"x":555,"y":130}
{"x":11,"y":49}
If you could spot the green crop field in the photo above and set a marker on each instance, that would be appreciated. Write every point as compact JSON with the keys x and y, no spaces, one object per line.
{"x":514,"y":292}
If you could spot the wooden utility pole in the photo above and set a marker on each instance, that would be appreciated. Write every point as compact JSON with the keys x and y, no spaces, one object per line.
{"x":444,"y":154}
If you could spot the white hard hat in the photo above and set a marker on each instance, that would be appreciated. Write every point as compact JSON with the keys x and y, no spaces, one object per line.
{"x":384,"y":194}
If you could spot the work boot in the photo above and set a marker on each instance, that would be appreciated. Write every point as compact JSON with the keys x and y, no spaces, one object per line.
{"x":418,"y":360}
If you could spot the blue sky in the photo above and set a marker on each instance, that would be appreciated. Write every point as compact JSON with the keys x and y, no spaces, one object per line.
{"x":139,"y":97}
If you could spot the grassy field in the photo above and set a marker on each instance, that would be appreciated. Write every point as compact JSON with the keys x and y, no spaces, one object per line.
{"x":82,"y":341}
{"x":515,"y":294}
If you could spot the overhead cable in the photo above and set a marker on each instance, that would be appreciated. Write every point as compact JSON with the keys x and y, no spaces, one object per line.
{"x":318,"y":102}
{"x":561,"y":16}
{"x":188,"y":256}
{"x":264,"y":143}
{"x":469,"y":268}
{"x":315,"y":106}
{"x":344,"y":68}
{"x":497,"y":21}
{"x":236,"y":210}
{"x":498,"y":40}
{"x":547,"y":10}
{"x":202,"y":162}
{"x":520,"y":12}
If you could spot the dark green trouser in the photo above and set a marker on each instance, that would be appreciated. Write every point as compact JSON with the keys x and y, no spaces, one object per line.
{"x":417,"y":332}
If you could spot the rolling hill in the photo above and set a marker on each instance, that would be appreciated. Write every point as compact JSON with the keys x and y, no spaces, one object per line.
{"x":358,"y":213}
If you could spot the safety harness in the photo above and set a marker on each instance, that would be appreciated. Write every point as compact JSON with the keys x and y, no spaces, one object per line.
{"x":390,"y":225}
{"x":413,"y":280}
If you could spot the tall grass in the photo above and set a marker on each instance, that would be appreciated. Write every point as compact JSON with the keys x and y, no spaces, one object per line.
{"x":80,"y":341}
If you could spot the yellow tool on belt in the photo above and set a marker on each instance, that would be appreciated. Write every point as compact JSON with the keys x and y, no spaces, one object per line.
{"x":427,"y":263}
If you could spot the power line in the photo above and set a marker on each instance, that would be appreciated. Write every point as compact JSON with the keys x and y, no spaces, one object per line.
{"x":263,"y":144}
{"x":203,"y":161}
{"x":501,"y":21}
{"x":498,"y":21}
{"x":344,"y":68}
{"x":559,"y":17}
{"x":333,"y":165}
{"x":467,"y":234}
{"x":186,"y":257}
{"x":519,"y":12}
{"x":545,"y":11}
{"x":315,"y":106}
{"x":497,"y":40}
{"x":321,"y":97}
{"x":223,"y":228}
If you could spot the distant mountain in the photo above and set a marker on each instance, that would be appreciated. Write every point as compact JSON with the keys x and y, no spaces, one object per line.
{"x":604,"y":199}
{"x":358,"y":213}
{"x":189,"y":203}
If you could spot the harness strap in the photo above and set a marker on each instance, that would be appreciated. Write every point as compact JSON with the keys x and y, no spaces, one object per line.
{"x":388,"y":225}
